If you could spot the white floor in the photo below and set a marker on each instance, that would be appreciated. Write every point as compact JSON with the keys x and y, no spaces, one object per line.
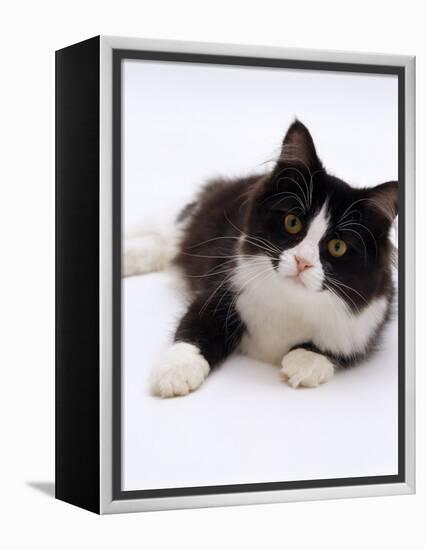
{"x":244,"y":425}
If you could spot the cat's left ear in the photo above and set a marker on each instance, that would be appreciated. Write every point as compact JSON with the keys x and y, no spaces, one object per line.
{"x":383,"y":199}
{"x":298,"y":147}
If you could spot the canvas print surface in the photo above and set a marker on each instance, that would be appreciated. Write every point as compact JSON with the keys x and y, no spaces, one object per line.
{"x":259,"y":331}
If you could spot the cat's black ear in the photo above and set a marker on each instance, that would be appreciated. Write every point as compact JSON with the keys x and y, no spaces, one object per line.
{"x":383,"y":199}
{"x":298,"y":147}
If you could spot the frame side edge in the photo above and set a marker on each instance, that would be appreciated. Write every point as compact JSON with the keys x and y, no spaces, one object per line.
{"x":77,"y":270}
{"x":409,"y":245}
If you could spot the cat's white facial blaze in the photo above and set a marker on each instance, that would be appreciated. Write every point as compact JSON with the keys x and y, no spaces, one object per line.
{"x":308,"y":251}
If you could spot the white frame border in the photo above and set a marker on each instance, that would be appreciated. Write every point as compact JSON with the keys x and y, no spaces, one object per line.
{"x":107,"y":504}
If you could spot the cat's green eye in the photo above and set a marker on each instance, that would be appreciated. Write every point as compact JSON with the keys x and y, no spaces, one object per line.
{"x":337,"y":248}
{"x":293,"y":224}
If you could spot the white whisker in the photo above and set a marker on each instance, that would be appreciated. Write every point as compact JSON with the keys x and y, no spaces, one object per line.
{"x":349,"y":224}
{"x":281,"y":178}
{"x":288,"y":195}
{"x":349,"y":208}
{"x":360,"y":237}
{"x":339,"y":283}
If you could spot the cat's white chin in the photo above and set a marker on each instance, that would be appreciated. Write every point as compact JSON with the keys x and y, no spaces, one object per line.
{"x":296,"y":281}
{"x":300,"y":283}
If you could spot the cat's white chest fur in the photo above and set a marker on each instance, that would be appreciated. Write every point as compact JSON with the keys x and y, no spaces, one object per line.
{"x":279,"y":314}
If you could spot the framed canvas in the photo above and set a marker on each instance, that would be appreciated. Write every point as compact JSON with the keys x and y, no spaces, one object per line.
{"x":234,"y":274}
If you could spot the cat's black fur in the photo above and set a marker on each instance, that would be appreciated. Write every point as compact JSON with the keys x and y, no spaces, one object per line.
{"x":255,"y":206}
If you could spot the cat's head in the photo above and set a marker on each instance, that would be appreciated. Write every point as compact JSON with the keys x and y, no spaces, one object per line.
{"x":320,"y":233}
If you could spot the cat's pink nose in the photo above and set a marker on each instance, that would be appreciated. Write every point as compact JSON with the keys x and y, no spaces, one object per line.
{"x":302,"y":264}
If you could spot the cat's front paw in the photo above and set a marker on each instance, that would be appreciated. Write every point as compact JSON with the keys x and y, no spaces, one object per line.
{"x":301,"y":367}
{"x":181,"y":370}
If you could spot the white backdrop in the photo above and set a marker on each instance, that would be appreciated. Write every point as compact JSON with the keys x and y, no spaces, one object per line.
{"x":184,"y":123}
{"x":31,"y":32}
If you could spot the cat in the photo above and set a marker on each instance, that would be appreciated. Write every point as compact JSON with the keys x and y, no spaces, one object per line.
{"x":292,"y":268}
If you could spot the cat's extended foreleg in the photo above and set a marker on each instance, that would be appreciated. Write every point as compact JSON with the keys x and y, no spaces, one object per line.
{"x":208,"y":332}
{"x":306,"y":366}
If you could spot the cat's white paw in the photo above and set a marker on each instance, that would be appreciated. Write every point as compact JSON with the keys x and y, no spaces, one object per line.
{"x":145,"y":254}
{"x":301,"y":367}
{"x":181,"y":370}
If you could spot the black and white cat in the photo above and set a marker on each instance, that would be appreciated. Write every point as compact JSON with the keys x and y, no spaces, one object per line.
{"x":291,"y":268}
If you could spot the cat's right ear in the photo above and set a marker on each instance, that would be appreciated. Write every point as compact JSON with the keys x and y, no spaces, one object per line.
{"x":383,"y":200}
{"x":298,"y":147}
